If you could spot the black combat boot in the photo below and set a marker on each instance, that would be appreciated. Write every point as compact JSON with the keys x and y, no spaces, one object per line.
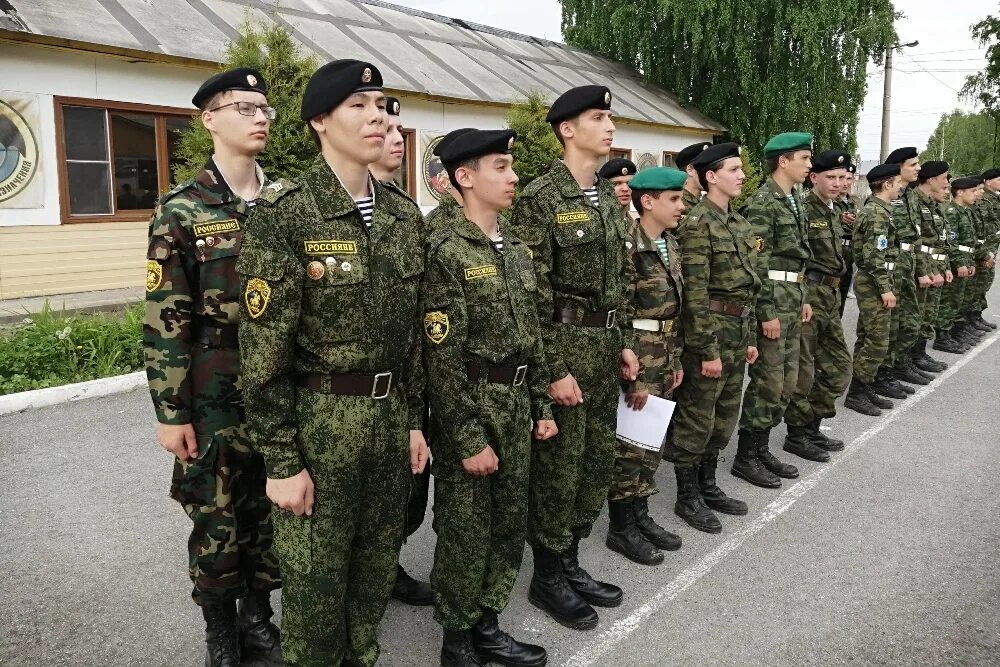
{"x":971,"y":325}
{"x":769,"y":460}
{"x":222,"y":635}
{"x":976,"y":321}
{"x":962,"y":335}
{"x":657,"y":535}
{"x":550,"y":592}
{"x":597,"y":593}
{"x":494,"y":645}
{"x":260,"y":639}
{"x":883,"y":387}
{"x":797,"y":442}
{"x":457,"y":650}
{"x":877,"y":400}
{"x":690,"y":506}
{"x":989,"y":325}
{"x":907,"y":373}
{"x":924,"y":361}
{"x":713,"y":496}
{"x":943,"y":342}
{"x":410,"y":591}
{"x":857,"y":399}
{"x":747,"y":466}
{"x":625,"y":538}
{"x":820,"y":439}
{"x":890,"y":379}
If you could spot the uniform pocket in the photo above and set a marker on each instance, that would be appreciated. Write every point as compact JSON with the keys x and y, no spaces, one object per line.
{"x":194,"y":482}
{"x":293,"y":539}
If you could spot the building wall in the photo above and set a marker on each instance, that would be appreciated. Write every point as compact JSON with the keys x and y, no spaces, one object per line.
{"x":40,"y":256}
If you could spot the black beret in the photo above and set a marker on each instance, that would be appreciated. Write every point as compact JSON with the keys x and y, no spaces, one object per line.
{"x":901,"y":155}
{"x":965,"y":183}
{"x":880,"y":172}
{"x":450,"y":137}
{"x":575,"y":101}
{"x":334,"y":82}
{"x":710,"y":156}
{"x":688,"y":153}
{"x":469,"y":144}
{"x":617,"y":167}
{"x":852,"y":168}
{"x":241,"y":78}
{"x":392,"y":106}
{"x":830,"y":160}
{"x":990,"y":174}
{"x":932,"y":169}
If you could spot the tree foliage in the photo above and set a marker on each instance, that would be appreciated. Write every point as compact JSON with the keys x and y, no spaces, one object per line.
{"x":536,"y":146}
{"x":967,"y":142}
{"x":984,"y":87}
{"x":270,"y":49}
{"x":759,"y":67}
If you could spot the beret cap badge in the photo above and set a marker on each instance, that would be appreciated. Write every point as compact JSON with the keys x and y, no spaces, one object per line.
{"x":251,"y":79}
{"x":607,"y":98}
{"x":366,"y":76}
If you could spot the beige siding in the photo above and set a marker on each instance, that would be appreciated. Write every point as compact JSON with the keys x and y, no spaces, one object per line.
{"x":59,"y":259}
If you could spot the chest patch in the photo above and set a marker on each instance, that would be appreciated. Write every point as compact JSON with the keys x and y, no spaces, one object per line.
{"x":819,"y":224}
{"x":221,"y":227}
{"x":477,"y":272}
{"x":331,"y":247}
{"x":572,"y":216}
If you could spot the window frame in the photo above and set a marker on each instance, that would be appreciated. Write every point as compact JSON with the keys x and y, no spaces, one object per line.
{"x":616,"y":152}
{"x":669,"y":158}
{"x":159,"y":114}
{"x":410,"y":155}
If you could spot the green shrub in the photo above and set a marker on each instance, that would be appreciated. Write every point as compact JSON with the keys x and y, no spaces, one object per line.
{"x":52,"y":348}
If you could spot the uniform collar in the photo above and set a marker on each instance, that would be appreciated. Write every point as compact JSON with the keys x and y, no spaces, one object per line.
{"x":469,"y":230}
{"x":214,"y":186}
{"x":332,"y":198}
{"x":564,"y":180}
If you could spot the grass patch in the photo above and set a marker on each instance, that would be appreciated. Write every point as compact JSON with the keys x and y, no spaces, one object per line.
{"x":52,"y":348}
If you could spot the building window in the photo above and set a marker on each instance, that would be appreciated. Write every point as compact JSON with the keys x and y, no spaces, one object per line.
{"x":625,"y":153}
{"x":406,"y":177}
{"x":115,"y":159}
{"x":669,"y":159}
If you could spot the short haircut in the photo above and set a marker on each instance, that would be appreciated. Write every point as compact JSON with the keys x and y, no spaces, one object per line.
{"x":213,"y":101}
{"x":559,"y":136}
{"x":472,"y":163}
{"x":955,"y":191}
{"x":702,"y":172}
{"x":637,"y":197}
{"x":879,"y":186}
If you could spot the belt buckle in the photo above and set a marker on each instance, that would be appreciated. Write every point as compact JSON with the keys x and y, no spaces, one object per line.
{"x":745,"y":312}
{"x":610,"y":322}
{"x":519,"y":375}
{"x":388,"y":385}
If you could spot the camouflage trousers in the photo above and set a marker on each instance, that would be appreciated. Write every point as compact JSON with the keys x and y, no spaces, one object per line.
{"x":222,"y":491}
{"x":952,"y":298}
{"x":981,"y":283}
{"x":929,"y":300}
{"x":824,"y":361}
{"x":571,"y":472}
{"x":416,"y":502}
{"x":708,"y":408}
{"x":774,"y":376}
{"x":906,"y":315}
{"x":481,"y":522}
{"x":339,"y":564}
{"x":874,"y":329}
{"x":847,"y":252}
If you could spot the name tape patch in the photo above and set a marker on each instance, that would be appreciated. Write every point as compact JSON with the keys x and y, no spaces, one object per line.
{"x":476,"y":272}
{"x":572,"y":216}
{"x":209,"y":228}
{"x":331,"y":247}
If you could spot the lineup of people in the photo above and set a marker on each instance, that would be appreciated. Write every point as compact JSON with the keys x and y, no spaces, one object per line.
{"x":317,"y":350}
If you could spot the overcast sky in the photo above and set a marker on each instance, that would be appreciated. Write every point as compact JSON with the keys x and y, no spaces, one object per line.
{"x":926,"y":78}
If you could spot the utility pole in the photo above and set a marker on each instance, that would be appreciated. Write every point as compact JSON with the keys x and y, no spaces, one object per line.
{"x":887,"y":97}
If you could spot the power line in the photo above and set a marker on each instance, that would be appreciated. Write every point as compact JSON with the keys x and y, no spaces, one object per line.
{"x":929,"y":73}
{"x":935,"y":53}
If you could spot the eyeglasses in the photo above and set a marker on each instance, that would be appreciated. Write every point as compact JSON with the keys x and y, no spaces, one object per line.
{"x":250,"y":109}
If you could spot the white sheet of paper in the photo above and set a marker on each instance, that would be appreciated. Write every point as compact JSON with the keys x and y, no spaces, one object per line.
{"x":646,"y":428}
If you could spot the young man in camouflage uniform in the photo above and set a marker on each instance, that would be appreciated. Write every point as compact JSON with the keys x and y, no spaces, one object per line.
{"x":966,"y":193}
{"x":620,"y":171}
{"x":846,"y":207}
{"x":775,"y":216}
{"x":573,"y":225}
{"x":989,"y":211}
{"x":330,"y":337}
{"x":450,"y":204}
{"x":654,"y":305}
{"x":487,"y":380}
{"x":985,"y":255}
{"x":406,"y":589}
{"x":875,"y":255}
{"x":193,"y":368}
{"x":932,"y":260}
{"x":720,"y":286}
{"x":692,"y":193}
{"x":824,"y":361}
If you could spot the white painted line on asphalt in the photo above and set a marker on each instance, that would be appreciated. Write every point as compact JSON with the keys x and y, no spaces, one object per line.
{"x":621,"y":629}
{"x":42,"y":398}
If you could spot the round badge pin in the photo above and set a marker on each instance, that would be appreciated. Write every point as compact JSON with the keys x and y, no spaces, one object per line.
{"x":315,"y":270}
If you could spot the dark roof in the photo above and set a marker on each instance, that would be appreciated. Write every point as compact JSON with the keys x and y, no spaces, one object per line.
{"x":417,"y":52}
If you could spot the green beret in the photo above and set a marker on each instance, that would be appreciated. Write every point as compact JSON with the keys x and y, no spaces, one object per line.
{"x":468,"y":144}
{"x":575,"y":101}
{"x":658,"y":178}
{"x":334,"y":82}
{"x":786,"y":142}
{"x":241,"y":78}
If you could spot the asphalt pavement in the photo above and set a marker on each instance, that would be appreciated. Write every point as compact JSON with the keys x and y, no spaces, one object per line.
{"x":888,"y":555}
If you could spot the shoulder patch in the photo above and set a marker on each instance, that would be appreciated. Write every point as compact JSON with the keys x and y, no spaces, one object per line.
{"x":391,"y":185}
{"x":276,"y":190}
{"x":436,"y":326}
{"x":176,"y":191}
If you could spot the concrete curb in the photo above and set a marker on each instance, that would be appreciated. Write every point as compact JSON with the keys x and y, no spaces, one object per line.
{"x":41,"y":398}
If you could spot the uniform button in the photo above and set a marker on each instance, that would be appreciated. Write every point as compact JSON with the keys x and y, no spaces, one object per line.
{"x":579,"y":233}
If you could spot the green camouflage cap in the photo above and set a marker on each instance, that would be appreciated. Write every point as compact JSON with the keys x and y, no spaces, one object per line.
{"x":658,"y":178}
{"x":786,"y":142}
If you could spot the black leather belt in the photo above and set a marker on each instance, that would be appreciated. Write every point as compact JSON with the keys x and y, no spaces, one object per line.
{"x":377,"y":385}
{"x":217,"y":336}
{"x":483,"y":370}
{"x":585,"y":318}
{"x":727,"y":308}
{"x":821,"y":278}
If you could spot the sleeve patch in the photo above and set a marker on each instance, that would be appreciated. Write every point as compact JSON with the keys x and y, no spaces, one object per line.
{"x":436,"y":326}
{"x":882,"y":242}
{"x":257,"y":295}
{"x":154,"y":275}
